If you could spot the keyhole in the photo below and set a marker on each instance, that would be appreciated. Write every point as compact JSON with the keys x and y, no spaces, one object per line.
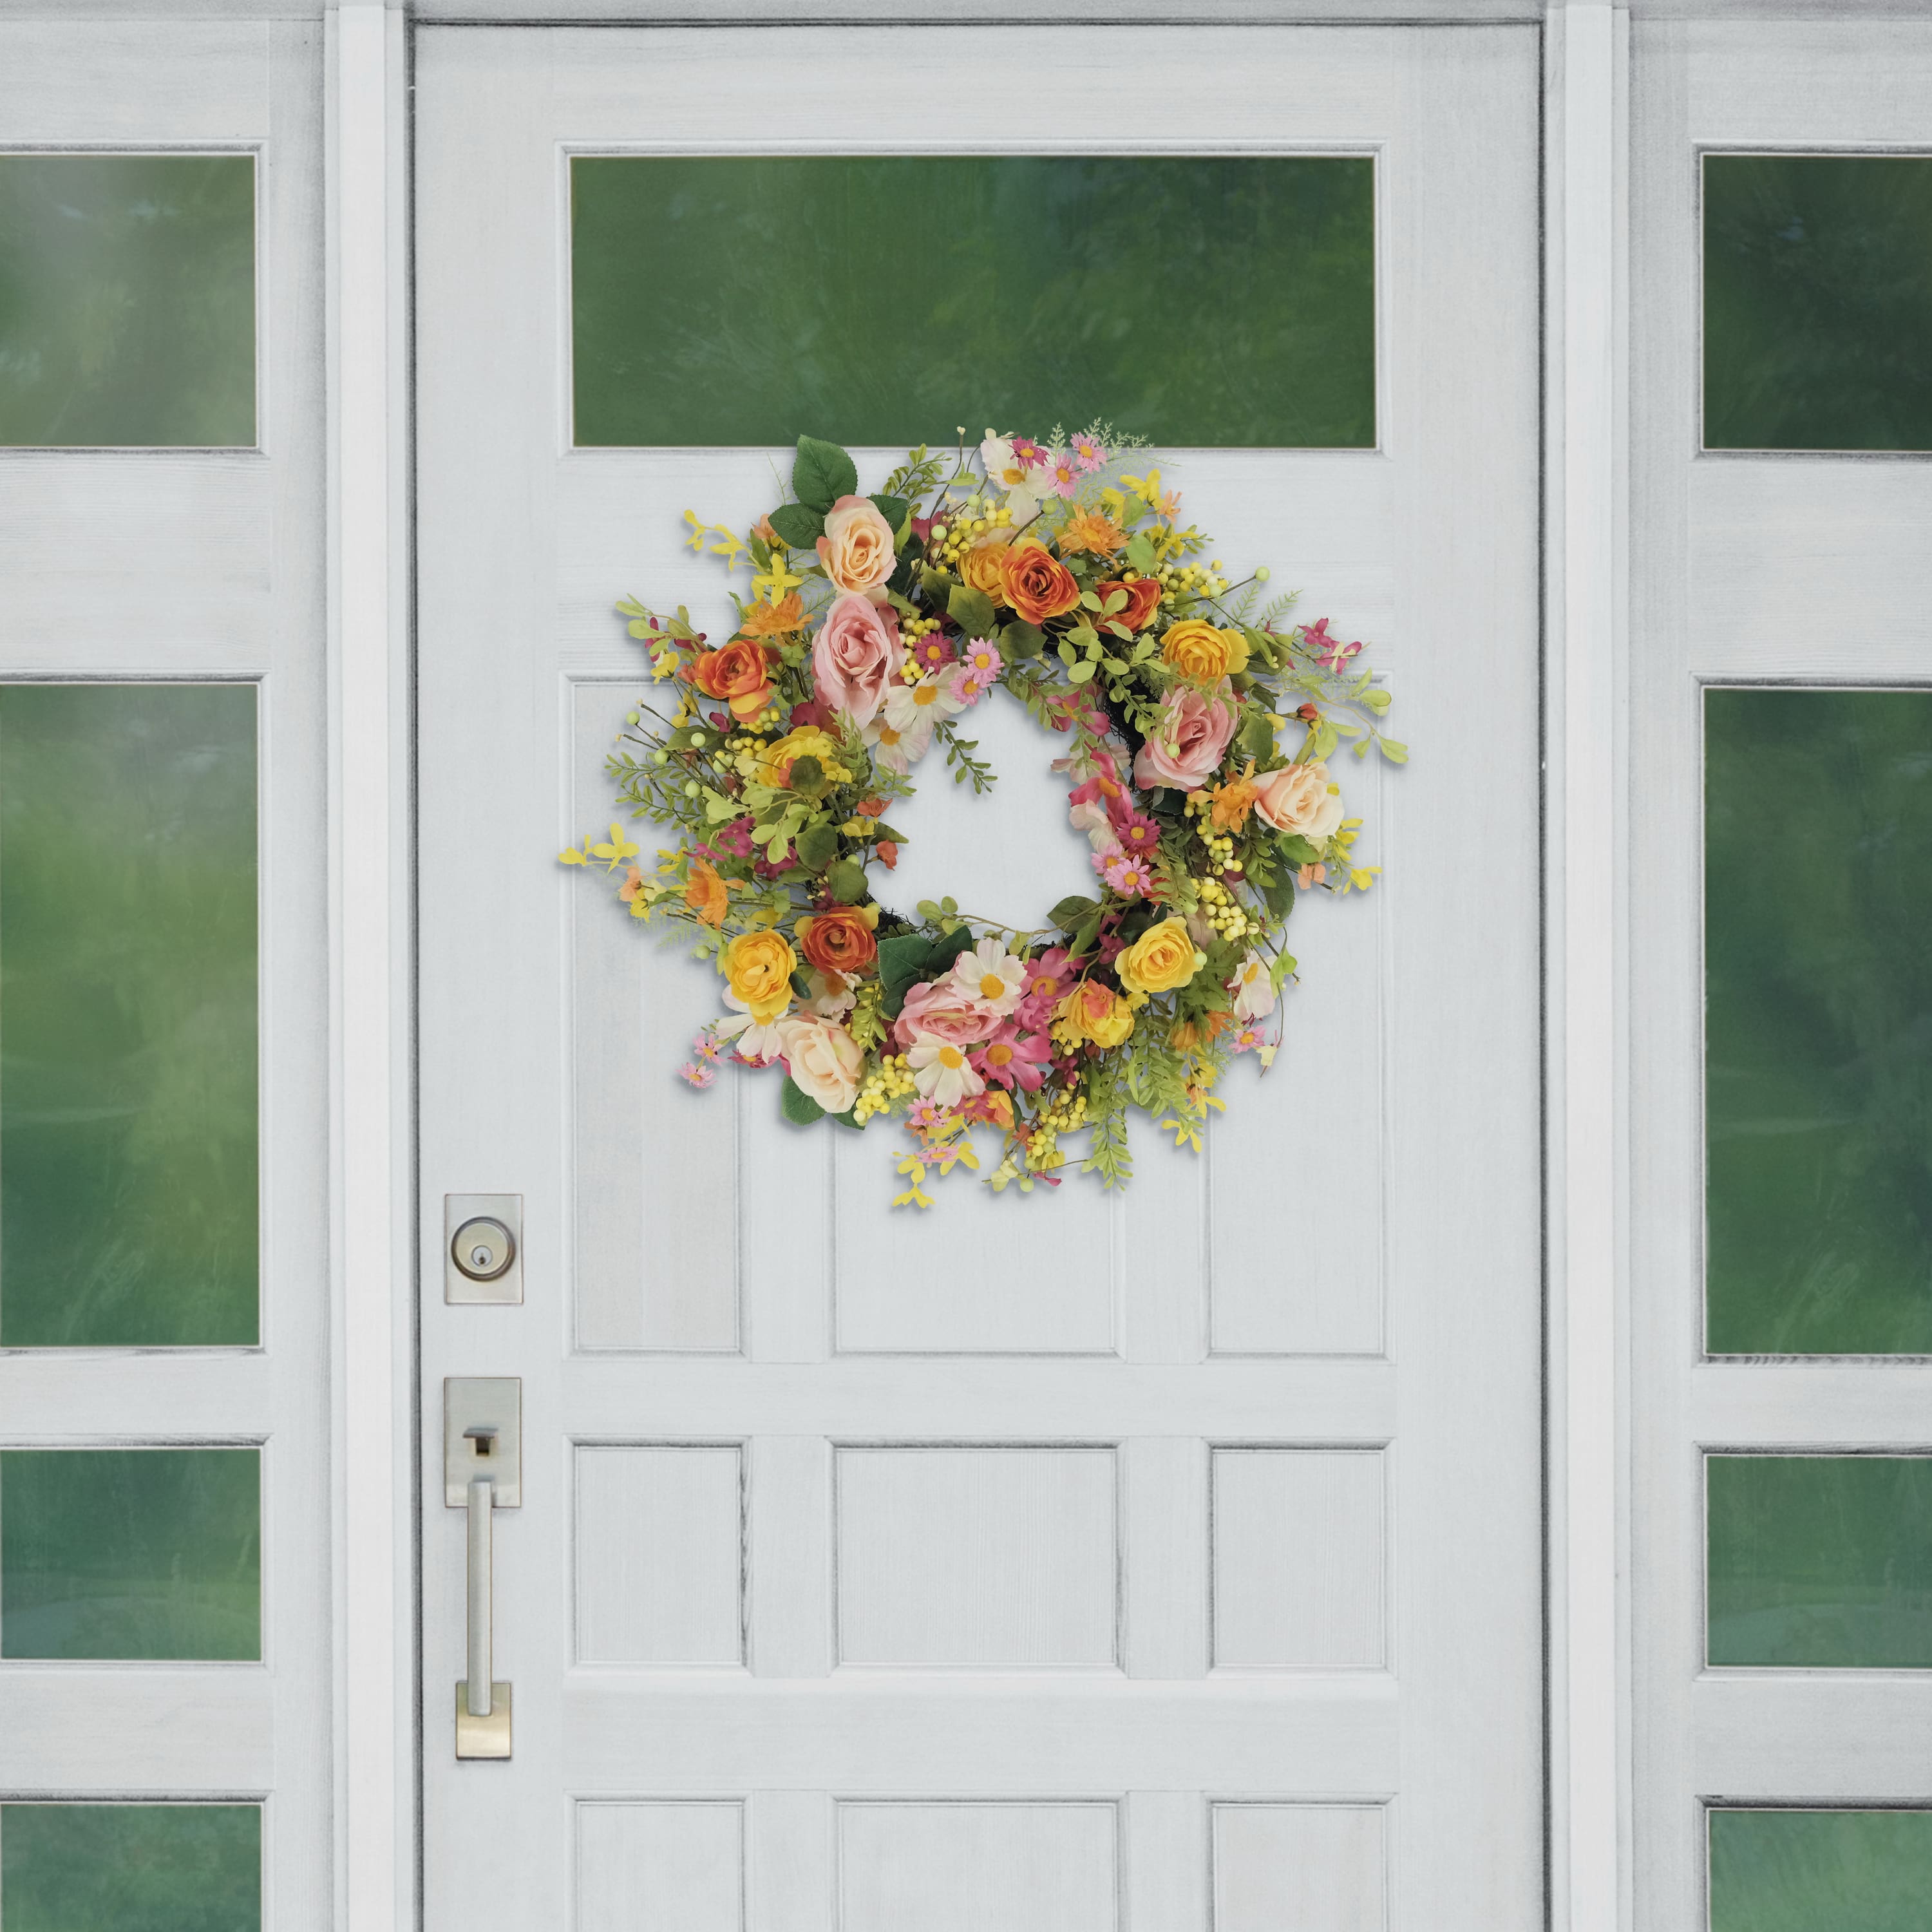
{"x":480,"y":1257}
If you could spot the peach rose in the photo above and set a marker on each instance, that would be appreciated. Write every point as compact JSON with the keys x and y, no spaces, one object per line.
{"x":824,"y":1060}
{"x":1037,"y":584}
{"x":1189,"y":743}
{"x":856,"y":654}
{"x":1143,"y":596}
{"x":1300,"y":798}
{"x":839,"y":941}
{"x":937,"y":1009}
{"x":856,"y":549}
{"x":741,"y":673}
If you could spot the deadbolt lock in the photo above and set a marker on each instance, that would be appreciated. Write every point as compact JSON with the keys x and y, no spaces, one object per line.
{"x":482,"y":1258}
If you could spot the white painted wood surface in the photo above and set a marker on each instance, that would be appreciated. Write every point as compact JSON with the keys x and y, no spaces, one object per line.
{"x":167,"y":564}
{"x":1070,"y":1722}
{"x":1753,"y":567}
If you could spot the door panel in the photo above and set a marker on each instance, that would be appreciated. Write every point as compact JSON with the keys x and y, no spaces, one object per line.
{"x":1078,"y":1560}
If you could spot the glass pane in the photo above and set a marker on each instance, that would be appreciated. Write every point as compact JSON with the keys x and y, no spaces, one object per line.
{"x":115,"y":1867}
{"x":1817,"y":301}
{"x":130,"y":1553}
{"x":1818,"y":1871}
{"x":127,"y":299}
{"x":128,"y":1050}
{"x":1820,"y":1561}
{"x":1818,"y":962}
{"x":872,"y":299}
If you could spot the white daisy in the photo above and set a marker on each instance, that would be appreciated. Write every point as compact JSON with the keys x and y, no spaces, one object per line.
{"x":991,"y":977}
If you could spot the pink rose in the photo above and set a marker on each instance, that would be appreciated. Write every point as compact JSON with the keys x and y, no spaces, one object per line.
{"x":1190,"y":741}
{"x":856,"y":549}
{"x":937,"y":1009}
{"x":1297,"y":799}
{"x":856,"y":654}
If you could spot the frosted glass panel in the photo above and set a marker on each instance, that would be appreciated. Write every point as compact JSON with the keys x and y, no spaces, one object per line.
{"x":127,"y":300}
{"x":130,"y":1553}
{"x":131,"y":1867}
{"x":127,"y":1016}
{"x":1819,"y":1871}
{"x":872,"y":299}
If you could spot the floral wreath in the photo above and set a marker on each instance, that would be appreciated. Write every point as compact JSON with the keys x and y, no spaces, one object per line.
{"x":874,"y":624}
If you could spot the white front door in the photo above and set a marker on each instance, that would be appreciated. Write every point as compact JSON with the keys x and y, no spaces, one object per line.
{"x":1158,"y":1559}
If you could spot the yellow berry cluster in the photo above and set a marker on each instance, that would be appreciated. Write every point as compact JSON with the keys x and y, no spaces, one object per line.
{"x":884,"y":1088}
{"x":953,"y":536}
{"x":1226,"y":913}
{"x":1064,"y":1114}
{"x":1191,"y":580}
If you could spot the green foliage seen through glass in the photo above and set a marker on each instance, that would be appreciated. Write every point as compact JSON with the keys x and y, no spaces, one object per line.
{"x":1818,"y":1871}
{"x":127,"y":300}
{"x":871,"y":300}
{"x":1817,"y":301}
{"x":116,"y":1867}
{"x":1820,"y":1561}
{"x":1818,"y":962}
{"x":130,"y":1553}
{"x":127,"y":1016}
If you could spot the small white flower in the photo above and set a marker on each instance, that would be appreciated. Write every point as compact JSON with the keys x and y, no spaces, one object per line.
{"x":918,"y":708}
{"x":1253,"y":991}
{"x":894,"y":748}
{"x":759,"y":1041}
{"x":942,"y":1072}
{"x":991,"y":977}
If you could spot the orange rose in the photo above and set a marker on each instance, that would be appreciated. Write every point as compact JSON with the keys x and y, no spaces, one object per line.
{"x":741,"y":673}
{"x":839,"y":941}
{"x":1037,"y":584}
{"x":704,"y":893}
{"x":1143,"y":595}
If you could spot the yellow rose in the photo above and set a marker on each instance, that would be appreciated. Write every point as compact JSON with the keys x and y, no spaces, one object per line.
{"x":980,"y":566}
{"x":1161,"y":959}
{"x":758,"y":967}
{"x":808,"y":741}
{"x":1198,"y":650}
{"x":1097,"y":1013}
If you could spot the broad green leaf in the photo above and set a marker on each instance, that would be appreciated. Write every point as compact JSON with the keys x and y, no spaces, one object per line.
{"x":903,"y":959}
{"x":1088,"y":931}
{"x":1071,"y":909}
{"x":822,"y":474}
{"x":1020,"y":641}
{"x":945,"y":951}
{"x":817,"y":846}
{"x":895,"y":510}
{"x":971,"y":610}
{"x":1140,"y":557}
{"x":1078,"y":674}
{"x":797,"y":1105}
{"x":798,"y":525}
{"x":1298,"y":851}
{"x":1256,"y":736}
{"x":1393,"y":750}
{"x":846,"y":882}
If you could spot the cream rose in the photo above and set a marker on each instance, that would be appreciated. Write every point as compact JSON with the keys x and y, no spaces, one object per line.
{"x":824,"y":1059}
{"x":856,"y":549}
{"x":1188,"y":743}
{"x":856,"y":656}
{"x":1299,"y":798}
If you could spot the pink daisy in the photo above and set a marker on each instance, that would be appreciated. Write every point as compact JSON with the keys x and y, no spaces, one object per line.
{"x":706,"y":1047}
{"x":1129,"y":877}
{"x":1247,"y":1039}
{"x":1137,"y":833}
{"x":1088,"y":452}
{"x":933,"y":652}
{"x":1029,"y":452}
{"x":1062,"y":475}
{"x":1014,"y":1056}
{"x":700,"y":1074}
{"x":983,"y":665}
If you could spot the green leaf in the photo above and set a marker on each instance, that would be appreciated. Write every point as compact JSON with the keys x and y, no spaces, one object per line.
{"x":971,"y":610}
{"x":807,"y":777}
{"x":1071,"y":910}
{"x":823,"y":473}
{"x":797,"y":1105}
{"x":903,"y":961}
{"x":1020,"y":641}
{"x":945,"y":951}
{"x":1078,"y":674}
{"x":818,"y":845}
{"x":846,"y":882}
{"x":895,"y":510}
{"x":1256,"y":736}
{"x":1088,"y":932}
{"x":1140,"y":555}
{"x":1296,"y":850}
{"x":1278,"y":895}
{"x":937,"y":585}
{"x":797,"y":525}
{"x":1393,"y":750}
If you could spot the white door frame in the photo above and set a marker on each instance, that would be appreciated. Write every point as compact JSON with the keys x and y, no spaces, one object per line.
{"x":1586,"y":58}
